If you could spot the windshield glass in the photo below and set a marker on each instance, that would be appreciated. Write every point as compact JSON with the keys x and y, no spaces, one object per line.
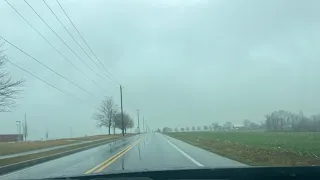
{"x":106,"y":86}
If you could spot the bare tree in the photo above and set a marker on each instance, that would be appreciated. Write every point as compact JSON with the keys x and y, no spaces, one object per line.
{"x":8,"y":87}
{"x":127,"y":121}
{"x":205,"y":128}
{"x":216,"y":126}
{"x":198,"y":128}
{"x":247,"y":123}
{"x":166,"y":129}
{"x":106,"y":113}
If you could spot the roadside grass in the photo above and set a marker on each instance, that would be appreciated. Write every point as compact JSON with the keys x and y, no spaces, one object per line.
{"x":18,"y":147}
{"x":259,"y":148}
{"x":90,"y":138}
{"x":13,"y":160}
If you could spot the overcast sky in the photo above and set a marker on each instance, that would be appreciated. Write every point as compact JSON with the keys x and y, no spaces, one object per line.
{"x":182,"y":62}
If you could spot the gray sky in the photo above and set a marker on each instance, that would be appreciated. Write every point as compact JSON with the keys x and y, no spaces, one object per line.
{"x":182,"y":62}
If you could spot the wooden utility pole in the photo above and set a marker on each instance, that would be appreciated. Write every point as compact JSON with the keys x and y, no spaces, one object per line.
{"x":138,"y":110}
{"x":25,"y":128}
{"x":143,"y":125}
{"x":121,"y":111}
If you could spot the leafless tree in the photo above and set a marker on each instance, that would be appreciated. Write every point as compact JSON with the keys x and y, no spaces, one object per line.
{"x":9,"y":89}
{"x":198,"y":128}
{"x":106,"y":113}
{"x":127,"y":121}
{"x":247,"y":123}
{"x":205,"y":128}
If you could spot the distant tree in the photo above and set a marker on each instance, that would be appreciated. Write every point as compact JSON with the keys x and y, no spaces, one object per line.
{"x":9,"y":89}
{"x":287,"y":121}
{"x":210,"y":127}
{"x":106,"y":112}
{"x":199,"y":128}
{"x":227,"y":126}
{"x":166,"y":129}
{"x":247,"y":123}
{"x":216,"y":126}
{"x":254,"y":125}
{"x":182,"y":129}
{"x":127,"y":121}
{"x":176,"y":129}
{"x":187,"y":129}
{"x":193,"y":128}
{"x":205,"y":127}
{"x":262,"y":125}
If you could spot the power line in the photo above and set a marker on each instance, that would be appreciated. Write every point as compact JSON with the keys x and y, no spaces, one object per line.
{"x":45,"y":65}
{"x":54,"y":14}
{"x":46,"y":82}
{"x":64,"y":57}
{"x":86,"y":42}
{"x":62,"y":40}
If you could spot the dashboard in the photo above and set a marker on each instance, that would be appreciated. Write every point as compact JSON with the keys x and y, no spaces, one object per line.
{"x":243,"y":173}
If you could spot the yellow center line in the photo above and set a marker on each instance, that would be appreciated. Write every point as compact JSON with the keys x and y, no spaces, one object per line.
{"x":116,"y":158}
{"x":111,"y":158}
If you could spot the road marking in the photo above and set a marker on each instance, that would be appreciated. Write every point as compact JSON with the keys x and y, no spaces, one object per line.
{"x":47,"y":162}
{"x":185,"y":154}
{"x":120,"y":155}
{"x":106,"y":161}
{"x":112,"y":158}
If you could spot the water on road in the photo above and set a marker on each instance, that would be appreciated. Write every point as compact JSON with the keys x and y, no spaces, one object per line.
{"x":153,"y":151}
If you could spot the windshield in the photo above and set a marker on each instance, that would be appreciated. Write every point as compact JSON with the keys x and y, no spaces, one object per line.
{"x":106,"y":86}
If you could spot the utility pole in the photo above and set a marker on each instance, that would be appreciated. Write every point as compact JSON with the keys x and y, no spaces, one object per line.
{"x":25,"y":128}
{"x":121,"y":111}
{"x":138,"y":110}
{"x":143,"y":125}
{"x":47,"y":134}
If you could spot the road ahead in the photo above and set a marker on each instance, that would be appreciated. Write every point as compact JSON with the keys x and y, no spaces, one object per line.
{"x":152,"y":151}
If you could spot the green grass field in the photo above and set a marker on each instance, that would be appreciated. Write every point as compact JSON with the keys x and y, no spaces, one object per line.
{"x":257,"y":148}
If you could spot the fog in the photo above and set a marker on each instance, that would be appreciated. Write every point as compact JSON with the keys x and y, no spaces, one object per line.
{"x":181,"y":62}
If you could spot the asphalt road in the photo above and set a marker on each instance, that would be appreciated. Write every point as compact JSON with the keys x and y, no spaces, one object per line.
{"x":151,"y":151}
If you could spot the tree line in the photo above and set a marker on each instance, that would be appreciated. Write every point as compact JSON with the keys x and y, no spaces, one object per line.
{"x":287,"y":121}
{"x":109,"y":116}
{"x":186,"y":129}
{"x":277,"y":121}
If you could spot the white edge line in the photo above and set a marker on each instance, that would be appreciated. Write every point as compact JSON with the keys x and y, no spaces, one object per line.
{"x":185,"y":154}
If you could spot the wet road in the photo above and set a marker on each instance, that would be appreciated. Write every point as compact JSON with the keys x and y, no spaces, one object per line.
{"x":146,"y":151}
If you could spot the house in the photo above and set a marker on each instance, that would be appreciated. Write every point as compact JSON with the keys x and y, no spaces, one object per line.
{"x":11,"y":137}
{"x":239,"y":127}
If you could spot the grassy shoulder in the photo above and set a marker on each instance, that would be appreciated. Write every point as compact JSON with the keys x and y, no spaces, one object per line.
{"x":18,"y":147}
{"x":258,"y":148}
{"x":13,"y":160}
